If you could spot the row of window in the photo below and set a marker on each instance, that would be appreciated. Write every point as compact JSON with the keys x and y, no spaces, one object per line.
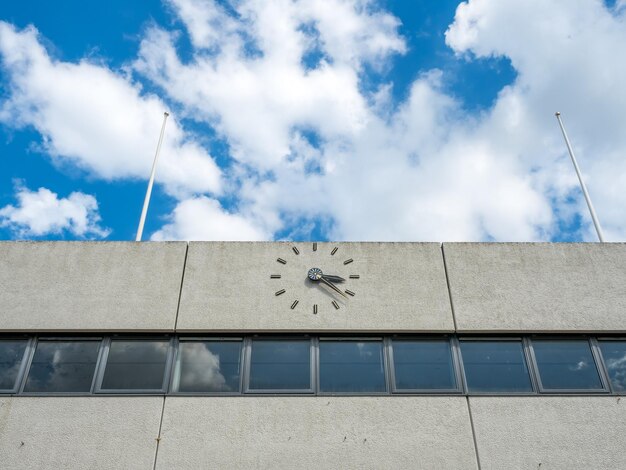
{"x":309,"y":365}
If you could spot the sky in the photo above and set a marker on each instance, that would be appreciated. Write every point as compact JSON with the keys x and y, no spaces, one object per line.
{"x":363,"y":120}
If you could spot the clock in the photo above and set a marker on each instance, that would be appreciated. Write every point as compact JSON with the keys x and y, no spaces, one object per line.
{"x":326,"y":270}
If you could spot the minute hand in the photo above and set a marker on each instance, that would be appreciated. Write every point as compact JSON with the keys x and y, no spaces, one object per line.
{"x":333,"y":286}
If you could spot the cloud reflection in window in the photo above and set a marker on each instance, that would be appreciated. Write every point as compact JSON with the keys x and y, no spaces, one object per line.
{"x":62,"y":366}
{"x":208,"y":366}
{"x":614,"y":353}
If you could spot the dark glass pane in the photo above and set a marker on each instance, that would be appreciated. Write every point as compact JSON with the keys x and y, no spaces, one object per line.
{"x":11,"y":356}
{"x":495,"y":366}
{"x":351,"y":366}
{"x":614,"y":353}
{"x":62,"y":366}
{"x":423,"y":365}
{"x":280,"y":365}
{"x":208,"y":366}
{"x":135,"y":365}
{"x":566,"y":365}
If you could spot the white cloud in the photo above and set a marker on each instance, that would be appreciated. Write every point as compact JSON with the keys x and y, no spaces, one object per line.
{"x":208,"y":24}
{"x":97,"y":119}
{"x":570,"y":57}
{"x":425,"y":171}
{"x":202,"y":218}
{"x":258,"y":100}
{"x":283,"y":82}
{"x":42,"y":212}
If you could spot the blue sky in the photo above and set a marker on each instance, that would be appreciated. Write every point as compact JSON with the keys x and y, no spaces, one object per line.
{"x":342,"y":119}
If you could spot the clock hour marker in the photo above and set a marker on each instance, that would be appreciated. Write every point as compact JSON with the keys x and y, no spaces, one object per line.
{"x":275,"y":276}
{"x":349,"y":292}
{"x":281,"y":261}
{"x":336,"y":305}
{"x":354,"y":276}
{"x":315,"y":309}
{"x":315,"y":246}
{"x":293,"y":305}
{"x":348,"y":261}
{"x":334,"y":251}
{"x":295,"y":250}
{"x":280,"y":292}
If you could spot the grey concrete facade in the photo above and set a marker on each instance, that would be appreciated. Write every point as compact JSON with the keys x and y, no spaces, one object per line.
{"x":401,"y":287}
{"x":316,"y":433}
{"x":511,"y":287}
{"x":90,"y":286}
{"x":205,"y":288}
{"x":79,"y":432}
{"x":537,"y":287}
{"x":550,"y":432}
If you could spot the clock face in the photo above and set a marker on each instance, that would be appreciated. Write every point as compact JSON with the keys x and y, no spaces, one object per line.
{"x":327,"y":271}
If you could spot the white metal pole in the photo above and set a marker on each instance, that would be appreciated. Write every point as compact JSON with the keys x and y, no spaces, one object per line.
{"x":146,"y":201}
{"x":594,"y":217}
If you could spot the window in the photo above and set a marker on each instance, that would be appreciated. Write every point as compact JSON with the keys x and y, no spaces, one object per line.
{"x":614,"y":353}
{"x":351,"y":366}
{"x":566,"y":365}
{"x":495,"y":366}
{"x":423,"y":365}
{"x":135,"y":365}
{"x":309,"y":365}
{"x":208,"y":366}
{"x":62,"y":366}
{"x":280,"y":365}
{"x":11,"y":359}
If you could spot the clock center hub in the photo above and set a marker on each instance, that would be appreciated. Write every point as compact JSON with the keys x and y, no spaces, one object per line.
{"x":315,"y":274}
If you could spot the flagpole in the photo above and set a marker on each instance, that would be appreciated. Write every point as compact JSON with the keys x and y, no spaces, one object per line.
{"x":594,"y":217}
{"x":146,"y":201}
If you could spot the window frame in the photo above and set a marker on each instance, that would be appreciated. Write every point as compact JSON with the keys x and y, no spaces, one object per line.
{"x":605,"y":371}
{"x":104,"y":358}
{"x":43,"y":338}
{"x":385,"y":363}
{"x":175,"y":364}
{"x":457,"y":390}
{"x":24,"y":365}
{"x":174,"y":339}
{"x":529,"y":365}
{"x":248,"y":366}
{"x":595,"y":354}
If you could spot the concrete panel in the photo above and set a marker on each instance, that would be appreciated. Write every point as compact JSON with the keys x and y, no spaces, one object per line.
{"x":550,"y":432}
{"x":538,"y":287}
{"x":316,"y":432}
{"x":227,"y":287}
{"x":61,"y":286}
{"x":77,"y":433}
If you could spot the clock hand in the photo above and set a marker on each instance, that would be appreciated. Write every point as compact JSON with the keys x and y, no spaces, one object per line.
{"x":331,"y":278}
{"x":332,"y":286}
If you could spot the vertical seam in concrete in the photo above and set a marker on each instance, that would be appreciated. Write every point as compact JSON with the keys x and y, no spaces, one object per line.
{"x":471,"y":419}
{"x":445,"y":270}
{"x":180,"y":292}
{"x":158,"y":439}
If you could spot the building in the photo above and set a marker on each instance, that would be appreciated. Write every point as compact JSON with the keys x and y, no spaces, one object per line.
{"x":239,"y":355}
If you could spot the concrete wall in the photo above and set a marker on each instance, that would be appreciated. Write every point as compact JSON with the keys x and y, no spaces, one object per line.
{"x":538,"y":287}
{"x":227,"y":287}
{"x":74,"y":287}
{"x":542,"y":433}
{"x":316,"y":433}
{"x":516,"y":287}
{"x":79,"y":432}
{"x":87,"y":286}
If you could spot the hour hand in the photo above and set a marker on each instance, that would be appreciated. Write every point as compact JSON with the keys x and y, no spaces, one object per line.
{"x":331,"y":278}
